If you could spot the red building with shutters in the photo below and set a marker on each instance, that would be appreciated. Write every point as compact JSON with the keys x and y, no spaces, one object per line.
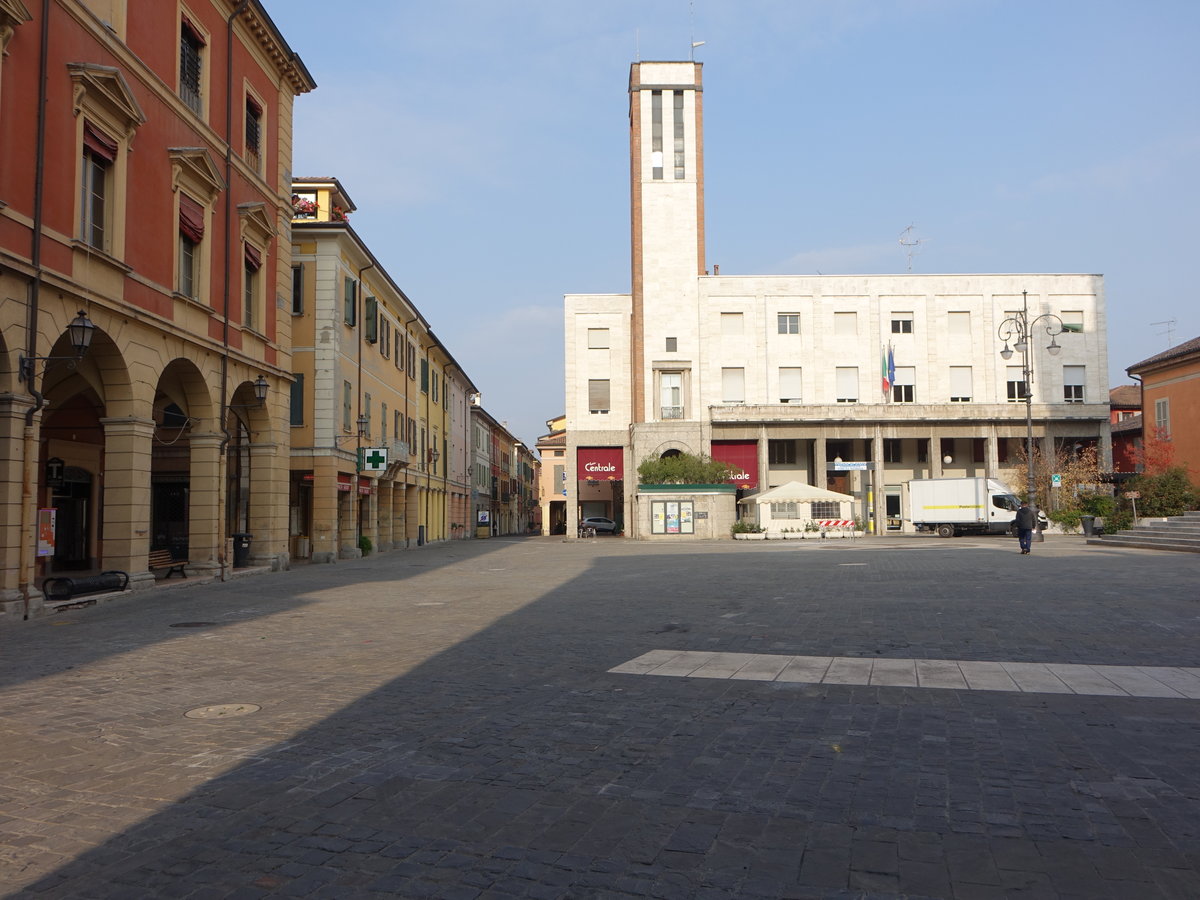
{"x":144,"y":165}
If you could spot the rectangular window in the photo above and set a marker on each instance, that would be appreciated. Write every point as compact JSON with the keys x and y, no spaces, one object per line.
{"x":1072,"y":320}
{"x":781,"y":453}
{"x":893,"y":451}
{"x":424,"y":376}
{"x":1162,"y":418}
{"x":349,"y":302}
{"x":959,"y":323}
{"x":598,"y":396}
{"x":254,"y":115}
{"x":191,"y":48}
{"x":678,"y":119}
{"x":826,"y":509}
{"x":99,"y":154}
{"x":790,"y":383}
{"x":788,"y":509}
{"x":297,"y":290}
{"x":347,"y":401}
{"x":597,"y":338}
{"x":902,"y":323}
{"x":731,"y":324}
{"x":1074,"y":378}
{"x":671,"y":395}
{"x":366,"y":415}
{"x":1017,"y":389}
{"x":733,"y":385}
{"x":412,"y":360}
{"x":251,"y":289}
{"x":789,"y":323}
{"x":433,"y":388}
{"x":371,"y":320}
{"x":847,"y":384}
{"x":656,"y":136}
{"x":903,"y":386}
{"x":385,"y":337}
{"x":191,"y":233}
{"x":845,"y":324}
{"x":297,"y":406}
{"x":961,"y":384}
{"x":672,"y":345}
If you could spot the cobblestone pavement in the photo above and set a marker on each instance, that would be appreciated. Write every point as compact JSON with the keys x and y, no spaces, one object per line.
{"x":443,"y":723}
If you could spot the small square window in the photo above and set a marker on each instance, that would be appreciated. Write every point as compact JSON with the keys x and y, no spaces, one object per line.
{"x":789,"y":323}
{"x":902,"y":324}
{"x":672,"y":344}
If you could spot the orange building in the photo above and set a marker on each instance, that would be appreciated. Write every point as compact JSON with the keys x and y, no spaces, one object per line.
{"x":145,"y":365}
{"x":1171,"y":401}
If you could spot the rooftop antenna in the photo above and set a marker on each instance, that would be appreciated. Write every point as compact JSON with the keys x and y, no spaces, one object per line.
{"x":910,"y":244}
{"x":1169,"y":331}
{"x":692,"y":21}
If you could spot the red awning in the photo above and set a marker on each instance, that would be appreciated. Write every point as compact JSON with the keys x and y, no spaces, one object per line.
{"x":189,"y":28}
{"x":743,"y":456}
{"x":364,"y":485}
{"x":253,"y":257}
{"x":600,"y":463}
{"x":99,"y":143}
{"x":191,"y":218}
{"x":345,"y":482}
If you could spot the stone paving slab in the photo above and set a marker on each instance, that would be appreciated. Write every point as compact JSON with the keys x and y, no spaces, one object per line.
{"x":1037,"y":678}
{"x":474,"y":720}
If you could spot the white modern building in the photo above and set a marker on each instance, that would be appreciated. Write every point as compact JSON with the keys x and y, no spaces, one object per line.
{"x":784,"y":376}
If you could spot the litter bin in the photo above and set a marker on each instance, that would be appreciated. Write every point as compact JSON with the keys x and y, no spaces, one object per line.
{"x":241,"y":550}
{"x":1089,"y":524}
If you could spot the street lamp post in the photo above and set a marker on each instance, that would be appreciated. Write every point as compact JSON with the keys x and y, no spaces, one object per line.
{"x":1019,"y":329}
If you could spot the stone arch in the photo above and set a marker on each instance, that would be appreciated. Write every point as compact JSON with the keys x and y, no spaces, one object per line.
{"x":672,"y":448}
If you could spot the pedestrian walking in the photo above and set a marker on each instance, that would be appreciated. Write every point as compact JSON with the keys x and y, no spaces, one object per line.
{"x":1026,"y":521}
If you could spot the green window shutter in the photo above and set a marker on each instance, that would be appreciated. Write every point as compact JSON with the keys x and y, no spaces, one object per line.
{"x":298,"y":399}
{"x":351,"y":303}
{"x":372,"y":320}
{"x":425,"y":376}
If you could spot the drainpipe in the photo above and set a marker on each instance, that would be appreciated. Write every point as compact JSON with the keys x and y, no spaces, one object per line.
{"x":223,"y":463}
{"x":29,"y":461}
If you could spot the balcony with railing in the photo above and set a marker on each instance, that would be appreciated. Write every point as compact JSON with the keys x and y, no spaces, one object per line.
{"x":671,"y":412}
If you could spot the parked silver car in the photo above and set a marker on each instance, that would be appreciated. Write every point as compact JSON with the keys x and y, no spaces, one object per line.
{"x":602,"y":524}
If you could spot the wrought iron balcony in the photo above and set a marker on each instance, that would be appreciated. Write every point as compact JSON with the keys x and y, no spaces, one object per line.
{"x":672,"y":412}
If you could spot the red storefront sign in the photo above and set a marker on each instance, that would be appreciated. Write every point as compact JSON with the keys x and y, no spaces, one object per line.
{"x":743,"y":456}
{"x":344,"y":482}
{"x":600,"y":463}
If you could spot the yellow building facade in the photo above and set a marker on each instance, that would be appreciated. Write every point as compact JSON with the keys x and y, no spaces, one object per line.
{"x":379,"y":407}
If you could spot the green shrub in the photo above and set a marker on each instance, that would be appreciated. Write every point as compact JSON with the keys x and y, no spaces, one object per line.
{"x":743,"y":526}
{"x":1168,"y":494}
{"x":683,"y":468}
{"x":365,"y":545}
{"x":1069,"y":519}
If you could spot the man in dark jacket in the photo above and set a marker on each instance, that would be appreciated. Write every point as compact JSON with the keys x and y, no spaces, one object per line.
{"x":1026,"y":522}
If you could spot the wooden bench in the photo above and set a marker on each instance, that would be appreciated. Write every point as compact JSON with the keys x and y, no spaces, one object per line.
{"x":64,"y":588}
{"x":161,"y":559}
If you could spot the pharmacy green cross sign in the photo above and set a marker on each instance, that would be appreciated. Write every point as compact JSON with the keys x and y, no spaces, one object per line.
{"x":374,"y":459}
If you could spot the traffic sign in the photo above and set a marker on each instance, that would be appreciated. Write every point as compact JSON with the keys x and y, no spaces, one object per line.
{"x":1056,"y":480}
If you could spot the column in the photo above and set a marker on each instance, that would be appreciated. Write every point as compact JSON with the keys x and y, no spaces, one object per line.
{"x":206,"y":504}
{"x":878,"y":495}
{"x":325,"y":500}
{"x":818,"y":464}
{"x":126,"y":497}
{"x":992,"y":456}
{"x":269,"y":506}
{"x":17,"y":495}
{"x":764,"y":459}
{"x":935,"y":456}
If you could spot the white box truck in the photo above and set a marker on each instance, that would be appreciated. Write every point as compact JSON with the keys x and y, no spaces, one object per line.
{"x":953,"y":506}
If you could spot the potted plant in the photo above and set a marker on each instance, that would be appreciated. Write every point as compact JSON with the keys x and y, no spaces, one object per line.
{"x":743,"y":530}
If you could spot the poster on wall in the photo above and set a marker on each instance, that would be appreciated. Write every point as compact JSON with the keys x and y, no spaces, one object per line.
{"x":658,"y":518}
{"x":672,"y":517}
{"x":685,"y":519}
{"x":46,"y":525}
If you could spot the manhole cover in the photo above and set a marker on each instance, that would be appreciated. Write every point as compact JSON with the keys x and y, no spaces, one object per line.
{"x":190,"y":624}
{"x":222,"y":711}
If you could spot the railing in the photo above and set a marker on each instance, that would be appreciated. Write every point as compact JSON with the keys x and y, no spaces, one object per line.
{"x":672,"y":412}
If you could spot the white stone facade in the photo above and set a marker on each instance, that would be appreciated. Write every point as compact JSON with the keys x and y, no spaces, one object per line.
{"x":789,"y":369}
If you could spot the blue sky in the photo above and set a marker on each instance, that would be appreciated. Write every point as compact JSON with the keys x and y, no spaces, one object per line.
{"x":486,"y":146}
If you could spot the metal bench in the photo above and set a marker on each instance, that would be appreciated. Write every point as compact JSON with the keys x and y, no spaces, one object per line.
{"x":162,"y":559}
{"x":66,"y":588}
